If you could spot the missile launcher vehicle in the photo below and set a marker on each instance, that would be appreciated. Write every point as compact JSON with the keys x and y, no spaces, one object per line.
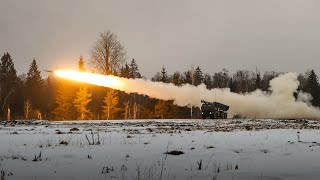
{"x":214,"y":110}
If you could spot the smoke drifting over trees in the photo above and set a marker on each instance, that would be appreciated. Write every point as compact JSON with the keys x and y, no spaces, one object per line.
{"x":280,"y":102}
{"x":249,"y":94}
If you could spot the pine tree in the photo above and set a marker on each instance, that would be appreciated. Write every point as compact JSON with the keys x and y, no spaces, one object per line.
{"x":163,"y":75}
{"x":217,"y":80}
{"x":81,"y":64}
{"x":125,"y":71}
{"x":198,"y":76}
{"x":156,"y":77}
{"x":188,"y":77}
{"x":207,"y":81}
{"x":312,"y":86}
{"x":165,"y":109}
{"x":65,"y":108}
{"x":19,"y":96}
{"x":258,"y":83}
{"x":302,"y":78}
{"x":225,"y":78}
{"x":8,"y":78}
{"x":50,"y":88}
{"x":134,"y":70}
{"x":232,"y":85}
{"x":267,"y":76}
{"x":177,"y":79}
{"x":111,"y":101}
{"x":34,"y":86}
{"x":160,"y":108}
{"x":82,"y":99}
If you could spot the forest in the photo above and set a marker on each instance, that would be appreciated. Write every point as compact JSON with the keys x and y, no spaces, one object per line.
{"x":32,"y":96}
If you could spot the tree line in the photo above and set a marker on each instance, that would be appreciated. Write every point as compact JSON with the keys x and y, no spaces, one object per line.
{"x":30,"y":96}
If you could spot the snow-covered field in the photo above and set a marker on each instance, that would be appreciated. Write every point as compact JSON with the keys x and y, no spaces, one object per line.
{"x":212,"y":149}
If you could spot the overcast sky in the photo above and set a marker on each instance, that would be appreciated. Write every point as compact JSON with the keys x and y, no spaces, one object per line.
{"x":280,"y":35}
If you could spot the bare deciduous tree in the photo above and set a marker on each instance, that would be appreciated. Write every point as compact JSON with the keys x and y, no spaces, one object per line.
{"x":27,"y":108}
{"x":135,"y":110}
{"x":39,"y":115}
{"x":108,"y":54}
{"x":126,"y":108}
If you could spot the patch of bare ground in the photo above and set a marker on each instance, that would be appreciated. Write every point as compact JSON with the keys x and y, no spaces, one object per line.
{"x":174,"y":152}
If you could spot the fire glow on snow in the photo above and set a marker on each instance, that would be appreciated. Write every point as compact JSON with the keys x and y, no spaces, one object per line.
{"x":280,"y":103}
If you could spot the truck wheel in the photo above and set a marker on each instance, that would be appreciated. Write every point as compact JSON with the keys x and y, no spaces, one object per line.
{"x":224,"y":116}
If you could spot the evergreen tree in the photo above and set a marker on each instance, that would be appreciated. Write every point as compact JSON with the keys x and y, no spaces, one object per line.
{"x":98,"y":95}
{"x":198,"y":76}
{"x":217,"y":80}
{"x":241,"y":77}
{"x":302,"y":78}
{"x":8,"y":78}
{"x":258,"y":83}
{"x":267,"y":76}
{"x":126,"y":99}
{"x":125,"y":71}
{"x":221,"y":79}
{"x":163,"y":75}
{"x":148,"y":108}
{"x":34,"y":87}
{"x":177,"y":79}
{"x":81,"y":64}
{"x":134,"y":70}
{"x":207,"y":81}
{"x":65,"y":108}
{"x":82,"y":99}
{"x":50,"y":89}
{"x":111,"y":101}
{"x":19,"y":94}
{"x":312,"y":86}
{"x":165,"y":109}
{"x":188,"y":77}
{"x":156,"y":77}
{"x":232,"y":85}
{"x":225,"y":78}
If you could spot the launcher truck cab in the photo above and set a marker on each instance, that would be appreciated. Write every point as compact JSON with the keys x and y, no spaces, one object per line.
{"x":214,"y":110}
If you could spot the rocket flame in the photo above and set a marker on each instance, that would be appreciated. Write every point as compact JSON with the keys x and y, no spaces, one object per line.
{"x":96,"y":79}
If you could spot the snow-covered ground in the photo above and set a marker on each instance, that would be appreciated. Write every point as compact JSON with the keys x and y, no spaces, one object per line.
{"x":212,"y":149}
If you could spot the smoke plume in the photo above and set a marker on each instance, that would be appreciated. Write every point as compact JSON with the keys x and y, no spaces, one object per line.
{"x":279,"y":103}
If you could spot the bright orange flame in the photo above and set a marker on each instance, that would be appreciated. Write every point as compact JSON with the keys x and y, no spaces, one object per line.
{"x":96,"y":79}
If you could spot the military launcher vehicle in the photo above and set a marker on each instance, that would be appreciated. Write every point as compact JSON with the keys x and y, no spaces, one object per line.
{"x":214,"y":110}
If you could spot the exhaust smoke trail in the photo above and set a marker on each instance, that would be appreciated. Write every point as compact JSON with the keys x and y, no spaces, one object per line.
{"x":280,"y":103}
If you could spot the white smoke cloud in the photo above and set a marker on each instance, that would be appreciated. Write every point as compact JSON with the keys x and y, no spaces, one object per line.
{"x":280,"y":103}
{"x":304,"y":97}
